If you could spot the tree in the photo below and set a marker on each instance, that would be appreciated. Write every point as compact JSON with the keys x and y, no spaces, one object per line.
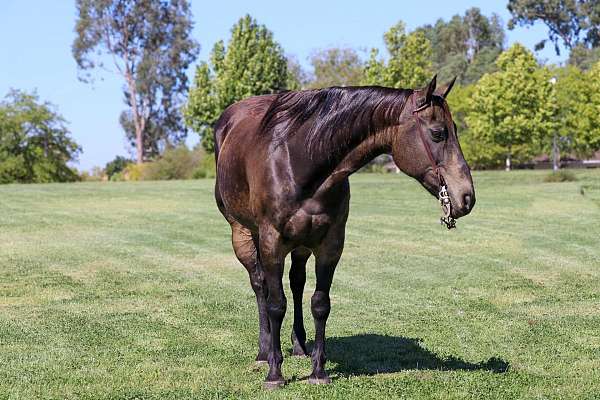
{"x":584,"y":58}
{"x":513,"y":109}
{"x":570,"y":22}
{"x":150,"y":45}
{"x":336,"y":67}
{"x":251,"y":64}
{"x":297,"y":77}
{"x":35,"y":144}
{"x":587,"y":137}
{"x":115,"y":166}
{"x":409,"y":63}
{"x":465,"y":46}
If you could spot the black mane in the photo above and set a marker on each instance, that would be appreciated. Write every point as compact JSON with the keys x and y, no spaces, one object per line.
{"x":335,"y":111}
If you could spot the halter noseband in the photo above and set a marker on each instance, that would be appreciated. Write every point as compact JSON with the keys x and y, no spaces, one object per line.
{"x":443,"y":196}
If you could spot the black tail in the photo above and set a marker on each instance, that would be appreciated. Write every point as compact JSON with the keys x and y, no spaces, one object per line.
{"x":219,"y":132}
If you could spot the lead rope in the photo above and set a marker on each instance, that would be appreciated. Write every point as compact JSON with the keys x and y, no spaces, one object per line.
{"x":443,"y":196}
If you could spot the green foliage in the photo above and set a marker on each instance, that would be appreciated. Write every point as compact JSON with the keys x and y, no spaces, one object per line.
{"x":479,"y":154}
{"x":570,"y":22}
{"x":409,"y":64}
{"x":115,"y":166}
{"x":35,"y":144}
{"x":207,"y":167}
{"x":560,"y":176}
{"x":576,"y":113}
{"x":251,"y":64}
{"x":513,"y":109}
{"x":203,"y":106}
{"x":151,"y":46}
{"x":175,"y":163}
{"x":465,"y":46}
{"x":584,"y":58}
{"x":133,"y":172}
{"x":96,"y":174}
{"x":336,"y":67}
{"x":297,"y":78}
{"x":587,"y":139}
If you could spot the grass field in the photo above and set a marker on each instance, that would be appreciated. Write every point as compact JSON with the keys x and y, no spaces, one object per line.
{"x":131,"y":291}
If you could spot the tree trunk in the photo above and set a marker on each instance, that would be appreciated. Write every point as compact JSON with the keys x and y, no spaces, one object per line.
{"x":555,"y":154}
{"x":138,"y":119}
{"x":139,"y":143}
{"x":508,"y":161}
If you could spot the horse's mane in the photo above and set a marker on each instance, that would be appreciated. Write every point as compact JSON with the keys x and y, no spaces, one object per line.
{"x":335,"y":111}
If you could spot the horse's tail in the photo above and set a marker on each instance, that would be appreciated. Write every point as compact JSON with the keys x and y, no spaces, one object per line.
{"x":220,"y":129}
{"x":219,"y":132}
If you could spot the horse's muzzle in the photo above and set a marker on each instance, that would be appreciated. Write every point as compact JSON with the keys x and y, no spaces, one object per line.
{"x":462,"y":204}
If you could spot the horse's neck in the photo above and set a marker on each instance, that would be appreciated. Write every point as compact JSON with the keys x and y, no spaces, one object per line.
{"x":355,"y":157}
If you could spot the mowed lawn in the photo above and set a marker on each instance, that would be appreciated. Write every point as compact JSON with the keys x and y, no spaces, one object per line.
{"x":131,"y":291}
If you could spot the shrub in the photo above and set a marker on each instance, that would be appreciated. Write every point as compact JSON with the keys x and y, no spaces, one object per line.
{"x":560,"y":176}
{"x":134,"y":172}
{"x":378,"y":164}
{"x":96,"y":174}
{"x":176,"y":163}
{"x":116,"y":166}
{"x":118,"y":177}
{"x":207,"y":167}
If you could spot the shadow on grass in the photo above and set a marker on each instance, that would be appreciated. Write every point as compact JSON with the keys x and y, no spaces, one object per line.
{"x":373,"y":354}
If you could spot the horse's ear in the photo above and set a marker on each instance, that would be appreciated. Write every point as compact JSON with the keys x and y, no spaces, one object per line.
{"x":444,"y":90}
{"x":430,"y":89}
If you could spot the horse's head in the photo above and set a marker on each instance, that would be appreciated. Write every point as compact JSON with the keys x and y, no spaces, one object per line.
{"x":428,"y":149}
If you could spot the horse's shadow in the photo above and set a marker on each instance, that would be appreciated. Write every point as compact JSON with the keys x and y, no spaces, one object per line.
{"x":371,"y":354}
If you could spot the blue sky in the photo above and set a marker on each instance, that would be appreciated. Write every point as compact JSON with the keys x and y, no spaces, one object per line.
{"x":36,"y":37}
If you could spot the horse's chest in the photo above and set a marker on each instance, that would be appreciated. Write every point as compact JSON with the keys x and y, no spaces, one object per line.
{"x":307,"y":227}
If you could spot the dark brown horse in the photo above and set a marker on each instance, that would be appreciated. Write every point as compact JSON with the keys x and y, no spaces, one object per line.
{"x":283,"y":163}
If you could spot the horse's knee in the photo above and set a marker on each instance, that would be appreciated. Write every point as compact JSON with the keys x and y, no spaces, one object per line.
{"x":276,"y":308}
{"x":257,"y":280}
{"x":320,"y":305}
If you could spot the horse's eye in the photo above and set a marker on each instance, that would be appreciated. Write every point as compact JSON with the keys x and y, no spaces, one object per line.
{"x":439,"y":134}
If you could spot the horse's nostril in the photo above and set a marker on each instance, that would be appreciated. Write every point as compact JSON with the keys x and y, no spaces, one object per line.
{"x":467,"y":201}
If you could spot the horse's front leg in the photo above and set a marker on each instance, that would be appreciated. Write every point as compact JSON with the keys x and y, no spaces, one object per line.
{"x":327,"y":256}
{"x":272,"y":258}
{"x":297,"y":281}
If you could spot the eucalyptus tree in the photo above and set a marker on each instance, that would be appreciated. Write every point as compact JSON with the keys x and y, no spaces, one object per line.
{"x":465,"y":46}
{"x":148,"y":43}
{"x":336,"y":66}
{"x":570,"y":22}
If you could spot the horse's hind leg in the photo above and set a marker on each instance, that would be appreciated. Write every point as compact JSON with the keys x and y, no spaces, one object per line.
{"x":297,"y":280}
{"x":272,"y":256}
{"x":245,"y":251}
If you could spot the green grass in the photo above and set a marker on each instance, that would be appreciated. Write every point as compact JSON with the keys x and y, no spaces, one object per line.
{"x":131,"y":291}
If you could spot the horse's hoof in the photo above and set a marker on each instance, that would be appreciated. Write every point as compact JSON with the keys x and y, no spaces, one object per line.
{"x":319,"y":381}
{"x":298,"y":351}
{"x":298,"y":347}
{"x":270,"y":385}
